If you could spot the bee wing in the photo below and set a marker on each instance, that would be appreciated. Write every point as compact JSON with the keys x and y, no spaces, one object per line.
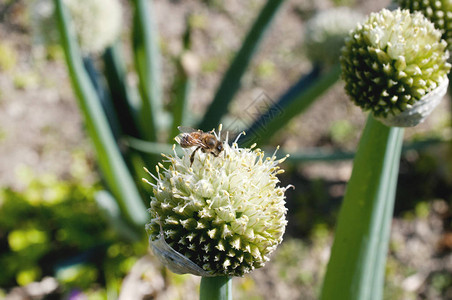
{"x":182,"y":138}
{"x":185,"y":129}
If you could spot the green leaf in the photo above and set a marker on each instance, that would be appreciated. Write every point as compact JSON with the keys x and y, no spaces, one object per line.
{"x":149,"y":147}
{"x":296,"y":100}
{"x":110,"y":160}
{"x":216,"y":288}
{"x":231,"y":81}
{"x":305,"y":155}
{"x":328,"y":154}
{"x":122,"y":96}
{"x":358,"y":256}
{"x":147,"y":63}
{"x":182,"y":87}
{"x":103,"y":95}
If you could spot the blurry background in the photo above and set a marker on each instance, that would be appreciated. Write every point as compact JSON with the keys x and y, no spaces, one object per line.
{"x":55,"y":243}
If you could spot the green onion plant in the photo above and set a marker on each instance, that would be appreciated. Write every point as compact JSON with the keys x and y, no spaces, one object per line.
{"x":395,"y":66}
{"x":202,"y":219}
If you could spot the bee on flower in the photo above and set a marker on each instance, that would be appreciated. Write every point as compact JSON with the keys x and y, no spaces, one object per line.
{"x":216,"y":215}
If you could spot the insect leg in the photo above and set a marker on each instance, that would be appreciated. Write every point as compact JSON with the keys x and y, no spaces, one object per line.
{"x":192,"y":156}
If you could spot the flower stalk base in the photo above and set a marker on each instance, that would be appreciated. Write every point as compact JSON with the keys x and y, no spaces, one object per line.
{"x":216,"y":288}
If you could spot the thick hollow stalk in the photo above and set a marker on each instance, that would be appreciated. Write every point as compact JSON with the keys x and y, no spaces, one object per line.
{"x":216,"y":288}
{"x":358,"y":257}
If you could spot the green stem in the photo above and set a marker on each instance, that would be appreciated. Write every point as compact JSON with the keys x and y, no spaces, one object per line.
{"x":216,"y":288}
{"x":147,"y":62}
{"x":358,"y":255}
{"x":449,"y":90}
{"x":388,"y":190}
{"x":109,"y":157}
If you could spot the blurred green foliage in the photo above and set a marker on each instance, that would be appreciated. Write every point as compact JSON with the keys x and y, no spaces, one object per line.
{"x":53,"y":227}
{"x":8,"y":57}
{"x":25,"y":80}
{"x":342,"y":131}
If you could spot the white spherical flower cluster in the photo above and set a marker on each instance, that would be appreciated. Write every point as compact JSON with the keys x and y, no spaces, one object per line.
{"x":97,"y":22}
{"x":395,"y":65}
{"x":326,"y":31}
{"x":437,"y":11}
{"x":43,"y":24}
{"x":220,"y":216}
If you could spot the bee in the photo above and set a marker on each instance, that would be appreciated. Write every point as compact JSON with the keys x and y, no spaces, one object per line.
{"x":206,"y":141}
